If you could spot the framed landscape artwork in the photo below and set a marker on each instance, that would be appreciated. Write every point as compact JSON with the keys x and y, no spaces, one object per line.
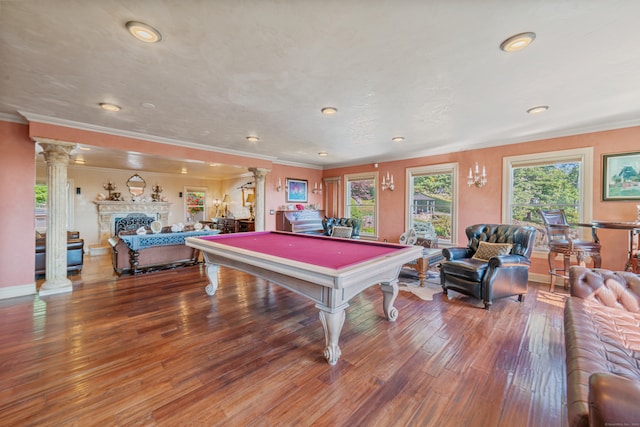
{"x":296,"y":190}
{"x":621,"y":176}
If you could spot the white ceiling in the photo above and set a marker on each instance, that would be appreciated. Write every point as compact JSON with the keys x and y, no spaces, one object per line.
{"x":428,"y":70}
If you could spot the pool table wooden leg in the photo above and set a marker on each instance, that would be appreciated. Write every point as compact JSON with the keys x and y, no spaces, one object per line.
{"x":332,"y":322}
{"x":212,"y":274}
{"x":389,"y":294}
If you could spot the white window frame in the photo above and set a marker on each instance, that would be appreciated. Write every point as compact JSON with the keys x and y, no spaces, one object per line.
{"x":583,"y":155}
{"x":356,"y":177}
{"x":442,"y":168}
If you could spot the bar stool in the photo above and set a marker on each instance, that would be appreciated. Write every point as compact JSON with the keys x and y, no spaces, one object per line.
{"x":560,"y":242}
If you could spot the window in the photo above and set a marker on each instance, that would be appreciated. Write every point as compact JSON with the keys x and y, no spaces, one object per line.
{"x":195,"y":204}
{"x":41,"y":192}
{"x":554,"y":180}
{"x":432,"y":201}
{"x":362,"y":202}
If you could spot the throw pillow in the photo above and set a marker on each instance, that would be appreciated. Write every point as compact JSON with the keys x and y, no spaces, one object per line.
{"x":488,"y":250}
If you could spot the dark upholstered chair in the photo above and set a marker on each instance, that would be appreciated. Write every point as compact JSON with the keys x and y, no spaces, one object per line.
{"x":329,"y":222}
{"x":560,"y":242}
{"x":495,"y":263}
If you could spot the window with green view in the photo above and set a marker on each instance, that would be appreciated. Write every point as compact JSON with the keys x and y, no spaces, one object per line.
{"x":362,"y":202}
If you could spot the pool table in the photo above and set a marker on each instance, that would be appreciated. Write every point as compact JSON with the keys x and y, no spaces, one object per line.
{"x":327,"y":270}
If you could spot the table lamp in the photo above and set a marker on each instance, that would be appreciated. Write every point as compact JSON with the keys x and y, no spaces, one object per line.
{"x":225,"y":204}
{"x":251,"y":199}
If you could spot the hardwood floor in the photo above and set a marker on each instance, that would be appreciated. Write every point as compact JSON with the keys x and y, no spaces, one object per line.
{"x":156,"y":350}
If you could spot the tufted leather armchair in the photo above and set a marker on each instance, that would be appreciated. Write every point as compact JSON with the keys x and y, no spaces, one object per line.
{"x":500,"y":276}
{"x":329,"y":222}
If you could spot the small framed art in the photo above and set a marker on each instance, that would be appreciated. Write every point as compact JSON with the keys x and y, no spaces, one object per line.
{"x":297,"y":190}
{"x":621,"y":176}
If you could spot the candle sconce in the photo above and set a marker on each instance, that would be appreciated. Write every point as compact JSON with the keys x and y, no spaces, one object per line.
{"x":156,"y":193}
{"x":316,"y":189}
{"x":476,"y":178}
{"x":110,"y":187}
{"x":387,"y":182}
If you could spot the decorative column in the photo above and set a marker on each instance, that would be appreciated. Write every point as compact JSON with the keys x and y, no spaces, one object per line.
{"x":56,"y":155}
{"x":259,"y":175}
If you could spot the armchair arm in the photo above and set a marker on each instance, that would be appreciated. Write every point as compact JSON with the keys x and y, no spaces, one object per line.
{"x":509,"y":261}
{"x":613,"y":400}
{"x":456,"y":253}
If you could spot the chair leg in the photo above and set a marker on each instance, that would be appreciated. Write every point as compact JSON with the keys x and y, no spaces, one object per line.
{"x":552,"y":271}
{"x":567,"y":265}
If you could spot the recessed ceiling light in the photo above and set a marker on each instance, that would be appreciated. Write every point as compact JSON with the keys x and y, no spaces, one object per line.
{"x":323,"y":154}
{"x":329,"y":111}
{"x":517,"y":42}
{"x":183,"y":170}
{"x":144,"y":32}
{"x":397,"y":138}
{"x":148,"y":105}
{"x":80,"y":160}
{"x":84,"y":148}
{"x":537,"y":110}
{"x":110,"y":107}
{"x":253,"y":138}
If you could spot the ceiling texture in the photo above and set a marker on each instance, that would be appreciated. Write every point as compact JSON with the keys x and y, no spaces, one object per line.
{"x":430,"y":71}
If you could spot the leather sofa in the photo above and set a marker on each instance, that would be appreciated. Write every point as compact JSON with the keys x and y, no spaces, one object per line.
{"x":602,"y":340}
{"x":75,"y":252}
{"x":496,"y":276}
{"x":329,"y":222}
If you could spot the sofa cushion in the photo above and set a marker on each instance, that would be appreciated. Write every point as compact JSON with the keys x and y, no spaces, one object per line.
{"x":618,"y":289}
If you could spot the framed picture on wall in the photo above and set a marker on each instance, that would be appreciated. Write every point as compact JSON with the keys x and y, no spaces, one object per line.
{"x":621,"y":176}
{"x":297,"y":190}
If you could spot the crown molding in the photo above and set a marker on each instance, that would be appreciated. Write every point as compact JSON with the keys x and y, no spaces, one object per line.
{"x":6,"y":117}
{"x":33,"y":117}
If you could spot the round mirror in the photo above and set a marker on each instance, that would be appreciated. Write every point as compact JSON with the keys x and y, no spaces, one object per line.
{"x":136,"y":185}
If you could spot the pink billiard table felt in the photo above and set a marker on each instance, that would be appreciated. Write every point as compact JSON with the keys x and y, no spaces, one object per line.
{"x":331,"y":253}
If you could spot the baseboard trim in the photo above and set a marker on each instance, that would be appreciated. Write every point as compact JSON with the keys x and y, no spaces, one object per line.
{"x":540,"y":278}
{"x":17,"y":291}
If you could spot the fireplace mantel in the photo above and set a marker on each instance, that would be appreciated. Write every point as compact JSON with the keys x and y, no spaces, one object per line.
{"x":108,"y":210}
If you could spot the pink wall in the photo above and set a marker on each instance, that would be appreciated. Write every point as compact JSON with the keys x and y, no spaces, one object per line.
{"x":17,"y":204}
{"x":484,"y":205}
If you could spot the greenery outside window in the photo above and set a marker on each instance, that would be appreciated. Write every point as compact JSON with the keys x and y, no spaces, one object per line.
{"x":362,"y":202}
{"x":552,"y":180}
{"x":41,"y":193}
{"x":432,"y":200}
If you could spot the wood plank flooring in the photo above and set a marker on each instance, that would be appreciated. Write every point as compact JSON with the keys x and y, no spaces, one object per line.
{"x":156,"y":350}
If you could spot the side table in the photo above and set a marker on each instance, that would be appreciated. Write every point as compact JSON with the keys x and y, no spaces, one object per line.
{"x":422,"y":264}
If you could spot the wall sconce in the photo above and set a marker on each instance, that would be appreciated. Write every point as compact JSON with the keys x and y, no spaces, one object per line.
{"x":317,"y":190}
{"x":387,"y":182}
{"x":477,"y":179}
{"x":279,"y":186}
